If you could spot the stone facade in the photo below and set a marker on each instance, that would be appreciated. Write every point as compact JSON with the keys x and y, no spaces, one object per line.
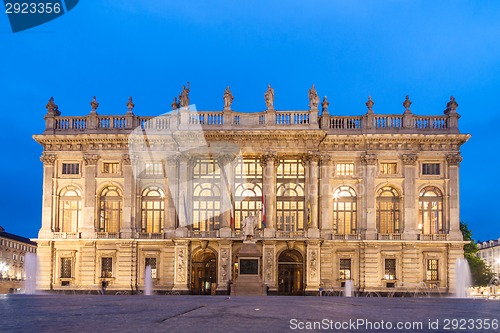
{"x":372,"y":198}
{"x":489,"y":251}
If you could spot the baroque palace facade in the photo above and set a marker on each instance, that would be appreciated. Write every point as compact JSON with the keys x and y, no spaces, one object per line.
{"x":373,"y":198}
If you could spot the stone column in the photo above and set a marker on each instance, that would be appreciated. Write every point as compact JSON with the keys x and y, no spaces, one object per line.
{"x":313,"y":268}
{"x":225,"y":268}
{"x":47,"y":201}
{"x":184,"y":204}
{"x":172,"y":196}
{"x":326,"y":197}
{"x":453,"y":208}
{"x":227,"y":184}
{"x":369,"y":161}
{"x":181,"y":262}
{"x":128,"y":227}
{"x":409,"y":223}
{"x":89,"y":203}
{"x":269,"y":264}
{"x":312,"y":196}
{"x":269,"y":164}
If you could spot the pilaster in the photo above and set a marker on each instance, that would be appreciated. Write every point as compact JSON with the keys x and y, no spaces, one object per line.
{"x":181,"y":265}
{"x":369,"y":162}
{"x":184,"y":203}
{"x":47,"y":202}
{"x":225,"y":266}
{"x":129,"y":208}
{"x":313,"y":268}
{"x":227,"y":184}
{"x":312,"y":195}
{"x":172,"y":195}
{"x":90,"y":198}
{"x":410,"y":224}
{"x":269,"y":164}
{"x":326,"y":197}
{"x":269,"y":264}
{"x":453,"y":161}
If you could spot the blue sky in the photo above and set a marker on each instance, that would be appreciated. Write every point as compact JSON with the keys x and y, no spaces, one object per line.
{"x":349,"y":49}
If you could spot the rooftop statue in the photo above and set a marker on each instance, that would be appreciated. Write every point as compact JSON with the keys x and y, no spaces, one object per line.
{"x":313,"y":98}
{"x":369,"y":103}
{"x":52,"y":107}
{"x":228,"y":98}
{"x":175,"y":104}
{"x":269,"y":97}
{"x":184,"y":96}
{"x":94,"y":104}
{"x":452,"y":105}
{"x":407,"y":103}
{"x":130,"y":104}
{"x":324,"y":105}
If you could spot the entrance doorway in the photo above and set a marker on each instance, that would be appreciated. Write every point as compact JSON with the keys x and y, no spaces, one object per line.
{"x":204,"y":273}
{"x":290,"y":273}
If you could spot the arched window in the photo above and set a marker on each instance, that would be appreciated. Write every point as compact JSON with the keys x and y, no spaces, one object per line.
{"x":248,"y":200}
{"x":70,"y":209}
{"x":152,"y":209}
{"x":431,"y":211}
{"x":290,"y":198}
{"x":388,"y":210}
{"x":345,"y":210}
{"x":206,"y":201}
{"x":110,"y":210}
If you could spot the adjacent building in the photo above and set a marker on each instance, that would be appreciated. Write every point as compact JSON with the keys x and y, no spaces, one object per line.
{"x":489,"y":251}
{"x":372,"y":198}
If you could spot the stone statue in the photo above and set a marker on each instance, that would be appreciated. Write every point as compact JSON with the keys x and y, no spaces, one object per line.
{"x":249,"y":225}
{"x":228,"y":98}
{"x":184,"y":96}
{"x":94,"y":104}
{"x":130,"y":104}
{"x":369,"y":103}
{"x":407,"y":103}
{"x":324,"y":105}
{"x":269,"y":97}
{"x":313,"y":98}
{"x":175,"y":104}
{"x":452,"y":105}
{"x":52,"y":107}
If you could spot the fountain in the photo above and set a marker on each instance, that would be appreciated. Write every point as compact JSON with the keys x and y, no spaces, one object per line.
{"x":31,"y":269}
{"x":348,"y":288}
{"x":148,"y":281}
{"x":462,"y":278}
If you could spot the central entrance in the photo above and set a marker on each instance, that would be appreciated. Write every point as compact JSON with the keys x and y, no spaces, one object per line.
{"x":290,"y":273}
{"x":204,"y":273}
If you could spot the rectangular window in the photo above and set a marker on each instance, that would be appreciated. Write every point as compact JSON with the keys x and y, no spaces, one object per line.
{"x":106,"y":267}
{"x":66,"y":268}
{"x":71,"y":168}
{"x":430,"y":169}
{"x":389,"y":168}
{"x":345,"y":169}
{"x":345,"y":269}
{"x":154,"y":169}
{"x":390,"y":269}
{"x":110,"y":167}
{"x":432,"y":270}
{"x":151,"y":262}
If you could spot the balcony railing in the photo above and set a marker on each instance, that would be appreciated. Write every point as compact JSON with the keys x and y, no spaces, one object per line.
{"x":108,"y":235}
{"x":433,"y":237}
{"x":346,"y":236}
{"x":204,"y":234}
{"x":390,"y":236}
{"x":66,"y":235}
{"x":150,"y":235}
{"x":290,"y":234}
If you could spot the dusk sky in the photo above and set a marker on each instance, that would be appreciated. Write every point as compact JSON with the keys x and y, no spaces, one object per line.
{"x":348,"y":49}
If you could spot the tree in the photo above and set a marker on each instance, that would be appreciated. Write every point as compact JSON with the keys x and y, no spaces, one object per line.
{"x":481,"y":274}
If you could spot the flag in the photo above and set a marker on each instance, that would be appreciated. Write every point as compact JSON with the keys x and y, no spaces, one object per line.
{"x":231,"y":210}
{"x":308,"y":213}
{"x":231,"y":199}
{"x":263,"y":212}
{"x":185,"y":211}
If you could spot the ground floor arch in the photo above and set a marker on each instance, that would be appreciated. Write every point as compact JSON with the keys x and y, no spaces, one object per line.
{"x":290,"y":273}
{"x":203,"y":272}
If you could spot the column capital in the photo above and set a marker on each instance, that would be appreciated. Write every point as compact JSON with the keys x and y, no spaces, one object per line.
{"x":268,"y":157}
{"x":454,"y":159}
{"x":48,"y":159}
{"x":409,"y":159}
{"x":91,"y":159}
{"x":129,"y":159}
{"x":369,"y":159}
{"x":312,"y":157}
{"x":225,"y":158}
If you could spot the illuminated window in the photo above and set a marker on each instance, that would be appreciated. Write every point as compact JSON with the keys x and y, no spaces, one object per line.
{"x":290,"y":199}
{"x":70,"y":168}
{"x":248,"y":191}
{"x":388,"y":210}
{"x":345,"y":169}
{"x":431,"y":211}
{"x":111,"y":167}
{"x":206,"y":196}
{"x":151,"y":262}
{"x":345,"y":269}
{"x":153,"y":210}
{"x":154,"y":169}
{"x":110,"y":206}
{"x":106,"y":267}
{"x":430,"y":169}
{"x":390,"y":269}
{"x":432,"y":273}
{"x":66,"y":264}
{"x":70,"y":206}
{"x":389,"y":168}
{"x":344,"y":210}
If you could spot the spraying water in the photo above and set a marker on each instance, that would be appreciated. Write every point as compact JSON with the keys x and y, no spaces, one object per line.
{"x":148,"y":281}
{"x":31,"y":269}
{"x":462,"y":278}
{"x":348,"y":288}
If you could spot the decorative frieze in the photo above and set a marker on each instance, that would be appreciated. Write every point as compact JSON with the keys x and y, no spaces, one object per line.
{"x":225,"y":267}
{"x":181,"y":264}
{"x":269,"y":264}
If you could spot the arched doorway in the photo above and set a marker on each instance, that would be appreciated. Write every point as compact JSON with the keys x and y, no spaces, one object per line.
{"x":203,"y":273}
{"x":290,"y":273}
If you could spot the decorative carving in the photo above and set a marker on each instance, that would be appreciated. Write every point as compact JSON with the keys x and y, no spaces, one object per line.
{"x":324,"y":105}
{"x":224,"y":257}
{"x":266,"y":158}
{"x":369,"y":104}
{"x":130,"y":105}
{"x":183,"y":158}
{"x":181,"y":265}
{"x":249,"y":226}
{"x":94,"y":104}
{"x":313,"y":262}
{"x":451,"y":106}
{"x":311,"y":157}
{"x":225,"y":158}
{"x":91,"y":159}
{"x":52,"y":108}
{"x":203,"y":244}
{"x":407,"y":103}
{"x":184,"y":96}
{"x":290,"y":244}
{"x":369,"y":159}
{"x":129,"y":159}
{"x":409,"y":159}
{"x":269,"y":97}
{"x":325,"y":159}
{"x":269,"y":264}
{"x":313,"y":98}
{"x":454,"y":159}
{"x":175,"y":104}
{"x":228,"y":98}
{"x":48,"y":159}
